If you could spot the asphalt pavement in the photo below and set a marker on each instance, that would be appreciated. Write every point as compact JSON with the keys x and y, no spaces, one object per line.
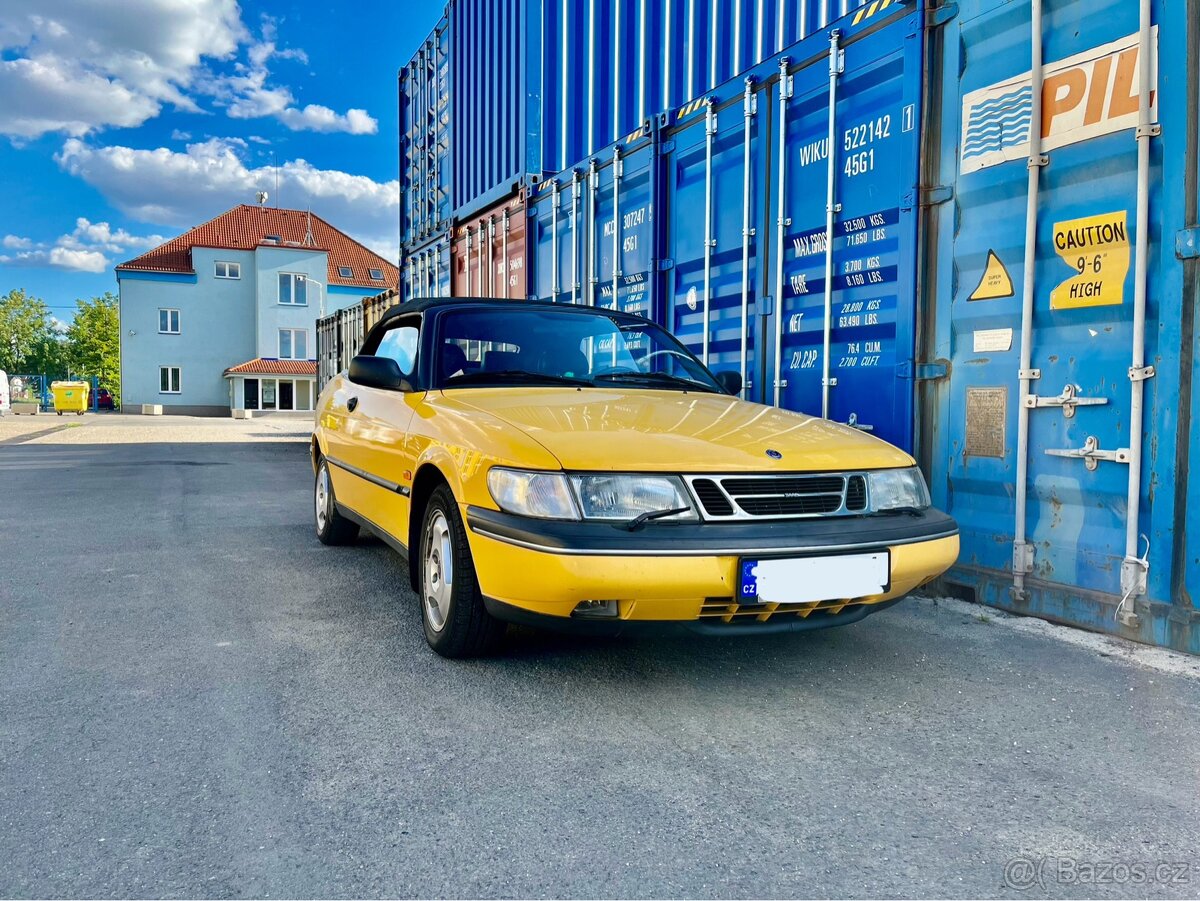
{"x":198,"y":699}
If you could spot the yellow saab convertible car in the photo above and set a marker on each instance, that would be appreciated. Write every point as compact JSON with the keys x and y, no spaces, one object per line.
{"x":573,"y":466}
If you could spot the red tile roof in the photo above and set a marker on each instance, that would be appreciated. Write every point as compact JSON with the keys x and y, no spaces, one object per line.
{"x":244,"y":228}
{"x":265,"y":366}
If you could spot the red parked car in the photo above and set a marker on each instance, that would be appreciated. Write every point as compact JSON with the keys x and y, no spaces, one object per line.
{"x":104,"y":400}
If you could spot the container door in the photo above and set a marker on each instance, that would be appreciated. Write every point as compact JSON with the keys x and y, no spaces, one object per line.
{"x":848,"y":283}
{"x":622,"y":242}
{"x":1077,"y":561}
{"x":715,"y":195}
{"x":553,"y":241}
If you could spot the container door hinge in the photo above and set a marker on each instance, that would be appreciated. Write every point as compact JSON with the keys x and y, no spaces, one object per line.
{"x":941,"y":15}
{"x":666,"y":147}
{"x":1091,"y":454}
{"x":923,"y":372}
{"x":1187,"y":243}
{"x":666,"y":264}
{"x":766,"y":305}
{"x":1068,"y":400}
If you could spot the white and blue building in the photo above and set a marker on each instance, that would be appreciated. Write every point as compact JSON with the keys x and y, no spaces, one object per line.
{"x":223,"y":317}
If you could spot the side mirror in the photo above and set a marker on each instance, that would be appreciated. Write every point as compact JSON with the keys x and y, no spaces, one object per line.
{"x":378,"y":372}
{"x":730,"y":381}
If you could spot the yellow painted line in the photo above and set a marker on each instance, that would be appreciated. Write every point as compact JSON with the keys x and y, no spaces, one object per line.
{"x":872,"y":8}
{"x":858,"y":16}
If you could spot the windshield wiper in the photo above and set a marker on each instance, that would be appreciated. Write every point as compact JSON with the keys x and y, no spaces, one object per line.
{"x":656,"y":378}
{"x":642,"y":518}
{"x":514,"y":375}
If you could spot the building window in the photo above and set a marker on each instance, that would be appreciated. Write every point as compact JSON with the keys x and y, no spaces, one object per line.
{"x":345,"y":271}
{"x":293,"y":289}
{"x":228,"y":270}
{"x":168,"y":322}
{"x":376,"y":275}
{"x":271,"y":239}
{"x":293,"y":344}
{"x":168,"y":379}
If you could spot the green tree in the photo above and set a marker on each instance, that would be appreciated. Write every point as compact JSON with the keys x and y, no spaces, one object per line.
{"x":24,"y":327}
{"x":94,"y":341}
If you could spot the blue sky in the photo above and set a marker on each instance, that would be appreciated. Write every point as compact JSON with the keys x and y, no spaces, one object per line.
{"x":123,"y":124}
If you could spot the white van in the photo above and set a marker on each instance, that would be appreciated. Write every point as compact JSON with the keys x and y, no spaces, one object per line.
{"x":5,"y":400}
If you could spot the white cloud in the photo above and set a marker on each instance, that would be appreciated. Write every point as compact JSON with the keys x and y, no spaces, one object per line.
{"x":76,"y":67}
{"x":249,"y":95}
{"x":59,"y":257}
{"x":178,"y":135}
{"x":183,"y":189}
{"x":321,"y":118}
{"x":85,"y":249}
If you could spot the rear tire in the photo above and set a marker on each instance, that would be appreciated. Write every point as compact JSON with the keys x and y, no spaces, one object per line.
{"x":453,"y":615}
{"x":332,"y":528}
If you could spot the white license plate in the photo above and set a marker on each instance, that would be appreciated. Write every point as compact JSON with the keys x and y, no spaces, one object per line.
{"x":803,"y":580}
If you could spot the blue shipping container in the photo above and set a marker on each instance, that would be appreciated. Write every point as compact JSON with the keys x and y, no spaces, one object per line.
{"x":425,"y":271}
{"x":1085,"y":549}
{"x":425,"y":140}
{"x":505,"y":92}
{"x":721,"y":225}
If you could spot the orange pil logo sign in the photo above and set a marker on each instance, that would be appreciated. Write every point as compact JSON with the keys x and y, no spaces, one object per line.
{"x":1084,"y":96}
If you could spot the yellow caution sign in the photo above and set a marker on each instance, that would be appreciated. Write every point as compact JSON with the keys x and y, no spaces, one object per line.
{"x":996,"y":281}
{"x":1097,"y":248}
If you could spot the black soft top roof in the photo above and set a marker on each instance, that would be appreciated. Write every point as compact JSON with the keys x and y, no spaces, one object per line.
{"x":462,"y":303}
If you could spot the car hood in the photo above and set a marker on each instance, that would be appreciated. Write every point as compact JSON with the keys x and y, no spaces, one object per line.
{"x":670,"y":431}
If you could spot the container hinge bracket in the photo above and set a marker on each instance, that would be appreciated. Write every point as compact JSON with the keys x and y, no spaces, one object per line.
{"x":1023,"y":553}
{"x":1068,"y":400}
{"x":666,"y":147}
{"x":1187,"y":243}
{"x":941,"y":15}
{"x":1024,"y":375}
{"x":927,"y":196}
{"x":666,"y":264}
{"x":1147,"y":131}
{"x":1135,"y":578}
{"x":1140,"y":375}
{"x":1091,"y":454}
{"x":1038,"y":162}
{"x":766,"y":305}
{"x":922,"y":372}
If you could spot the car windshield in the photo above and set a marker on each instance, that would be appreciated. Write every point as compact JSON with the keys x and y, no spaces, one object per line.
{"x":581,"y":348}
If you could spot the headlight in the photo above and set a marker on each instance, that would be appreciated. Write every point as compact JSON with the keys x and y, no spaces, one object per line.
{"x":546,"y":495}
{"x":898,"y":489}
{"x":627,"y":496}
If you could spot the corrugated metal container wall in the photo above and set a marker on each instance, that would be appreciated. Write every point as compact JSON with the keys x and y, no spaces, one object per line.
{"x":536,"y":85}
{"x":425,"y":139}
{"x":426,"y":270}
{"x":487,"y":258}
{"x":1071,"y":497}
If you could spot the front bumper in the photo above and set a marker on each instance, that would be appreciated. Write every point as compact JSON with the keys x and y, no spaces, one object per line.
{"x":537,"y":571}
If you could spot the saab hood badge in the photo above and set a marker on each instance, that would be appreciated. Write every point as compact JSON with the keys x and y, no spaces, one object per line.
{"x":774,"y":454}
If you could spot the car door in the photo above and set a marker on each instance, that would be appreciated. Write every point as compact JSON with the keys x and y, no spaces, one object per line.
{"x":375,"y":431}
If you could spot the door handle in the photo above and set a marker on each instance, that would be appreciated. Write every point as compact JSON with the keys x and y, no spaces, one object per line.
{"x":351,"y":404}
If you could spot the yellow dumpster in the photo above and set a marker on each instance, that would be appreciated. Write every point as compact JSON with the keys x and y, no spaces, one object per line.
{"x":69,"y":397}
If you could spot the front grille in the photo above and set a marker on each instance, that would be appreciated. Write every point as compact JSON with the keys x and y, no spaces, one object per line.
{"x":728,"y":611}
{"x":856,"y":494}
{"x":782,"y":496}
{"x":712,"y":497}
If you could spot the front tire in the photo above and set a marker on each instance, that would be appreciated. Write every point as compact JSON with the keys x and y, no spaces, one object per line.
{"x":332,"y":527}
{"x":455,"y":620}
